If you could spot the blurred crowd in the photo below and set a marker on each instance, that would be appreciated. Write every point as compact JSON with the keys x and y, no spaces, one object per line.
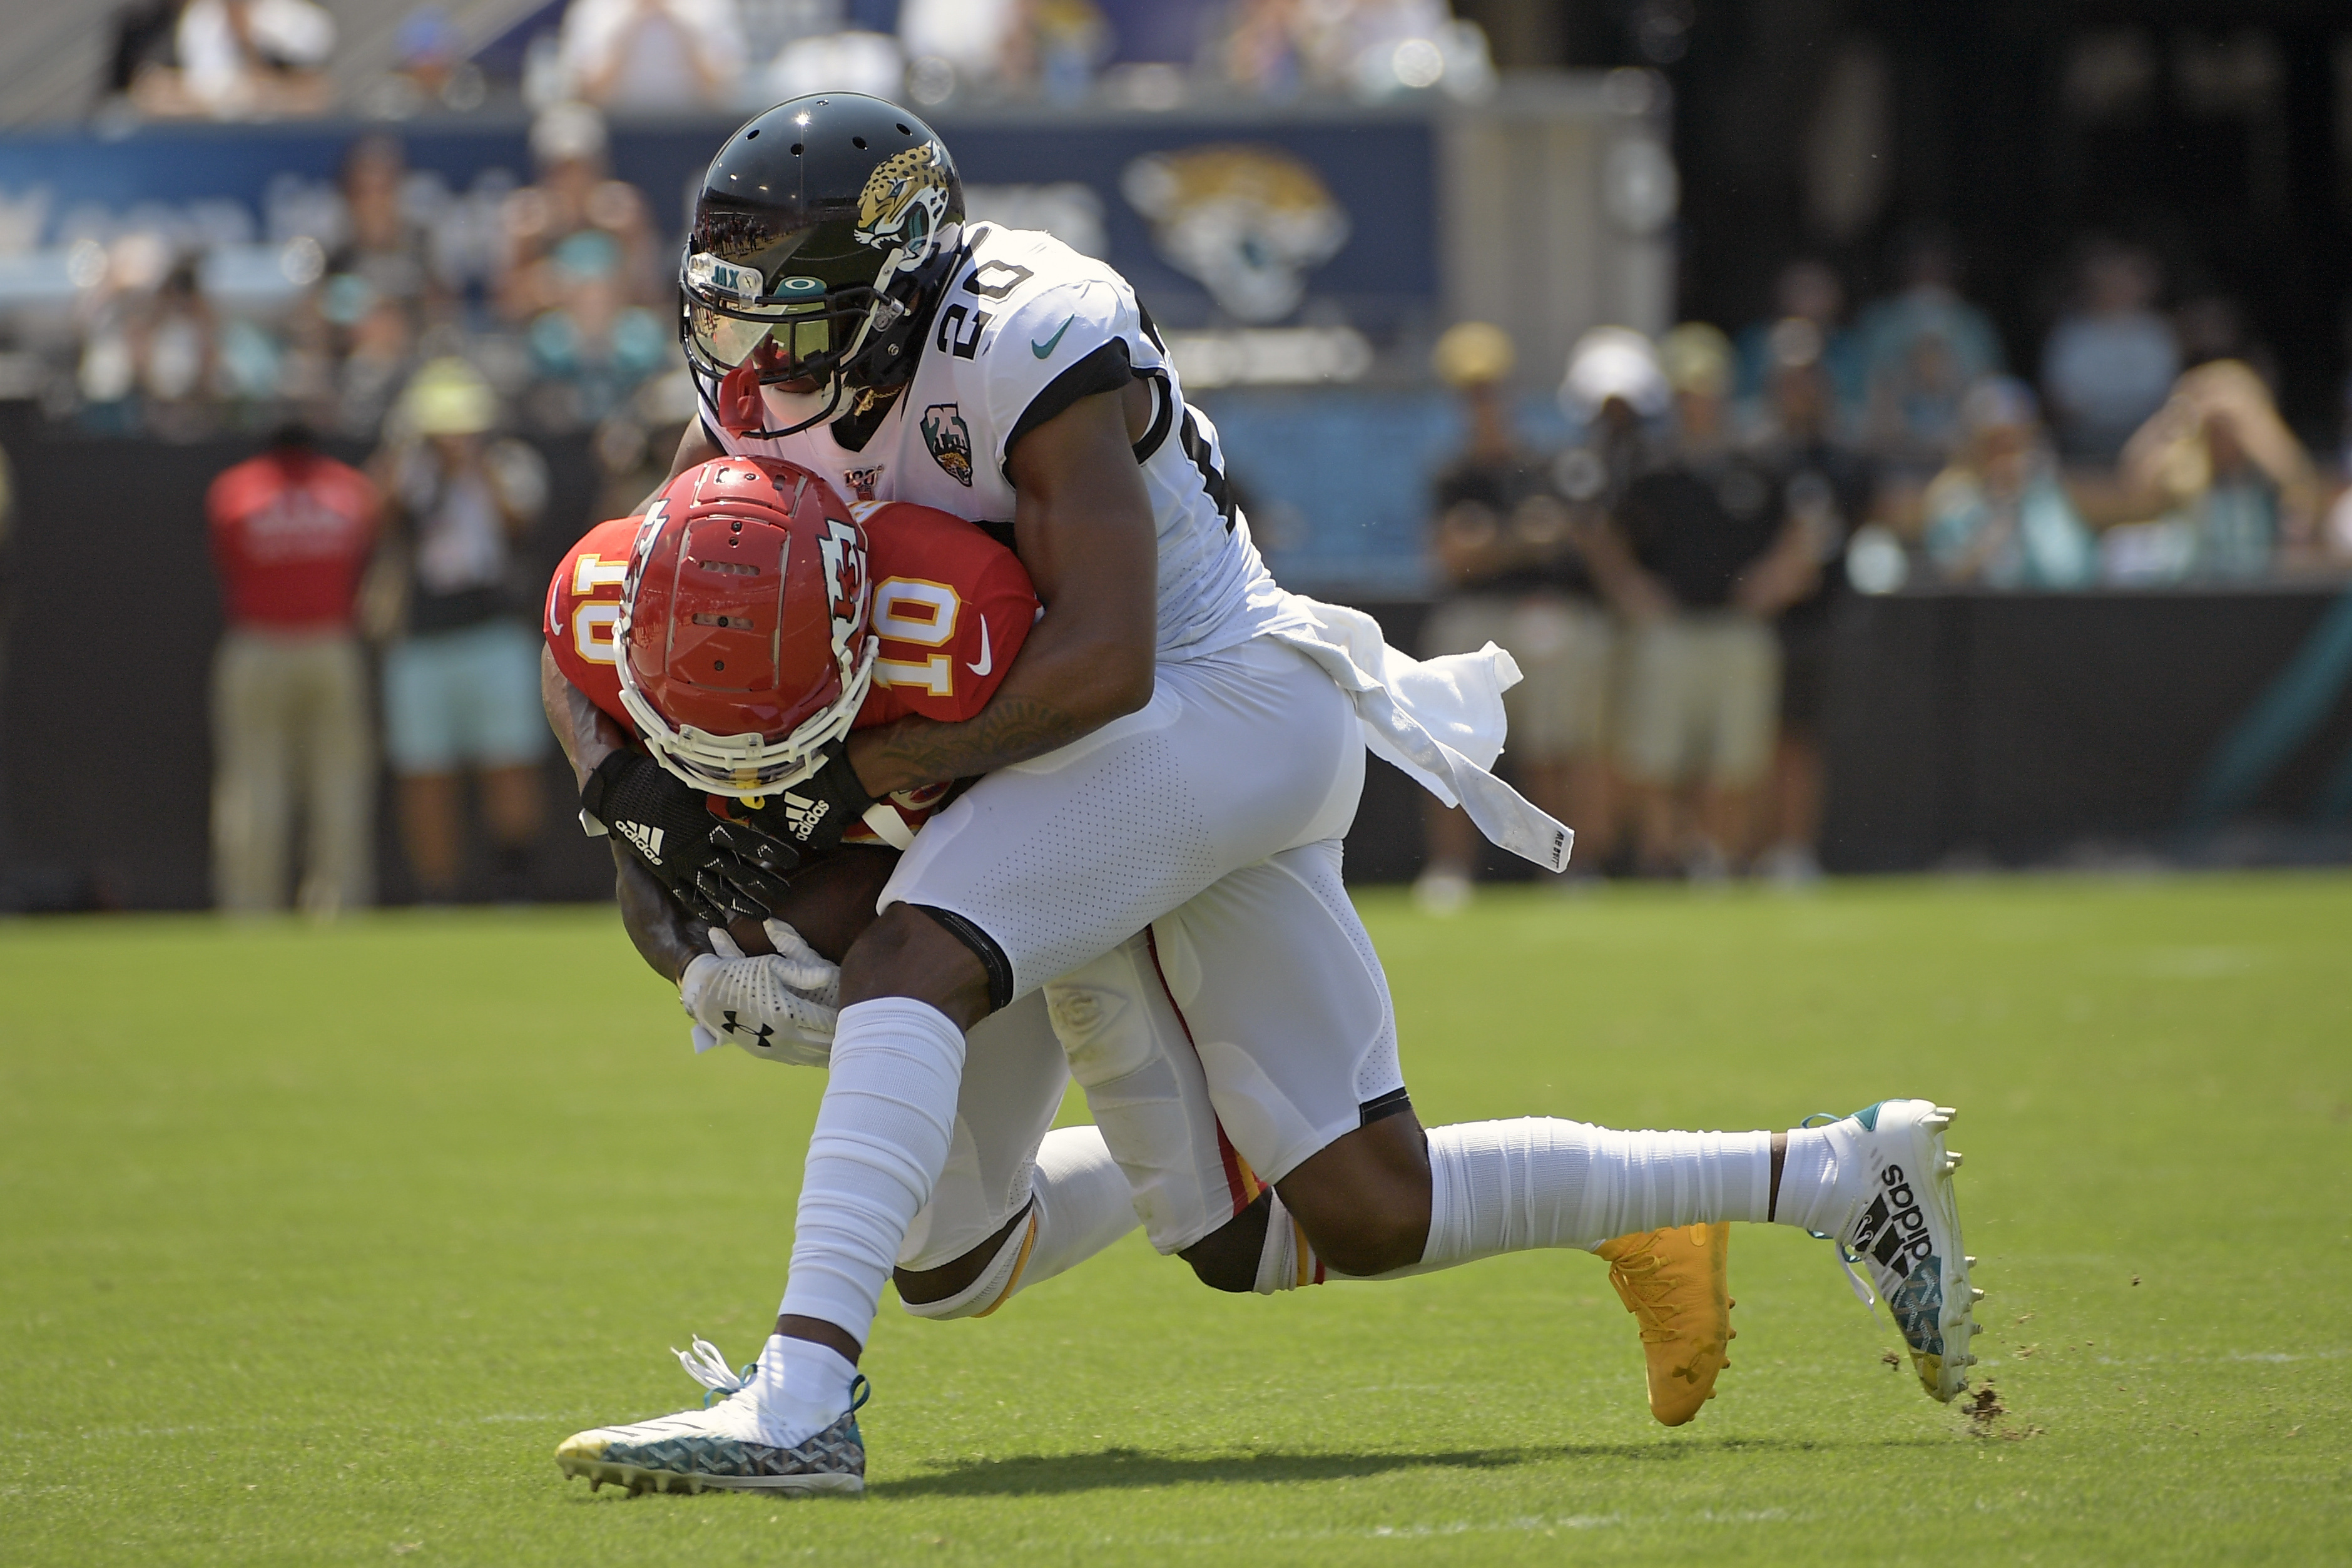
{"x":1667,"y":579}
{"x":179,"y":322}
{"x":271,"y":59}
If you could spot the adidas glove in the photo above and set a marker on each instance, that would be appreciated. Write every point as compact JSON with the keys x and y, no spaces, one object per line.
{"x":780,"y":1006}
{"x":804,"y":823}
{"x":668,"y":826}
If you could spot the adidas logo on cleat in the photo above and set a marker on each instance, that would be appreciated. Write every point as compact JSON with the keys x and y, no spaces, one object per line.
{"x":646,"y":836}
{"x":1893,"y":1229}
{"x":1892,"y":1233}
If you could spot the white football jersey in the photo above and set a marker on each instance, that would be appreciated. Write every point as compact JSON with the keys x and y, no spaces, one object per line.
{"x":1025,"y":327}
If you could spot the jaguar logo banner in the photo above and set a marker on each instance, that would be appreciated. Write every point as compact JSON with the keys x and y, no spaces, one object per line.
{"x":1248,"y":222}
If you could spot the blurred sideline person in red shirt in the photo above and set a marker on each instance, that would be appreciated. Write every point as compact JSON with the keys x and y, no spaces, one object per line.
{"x":292,"y":532}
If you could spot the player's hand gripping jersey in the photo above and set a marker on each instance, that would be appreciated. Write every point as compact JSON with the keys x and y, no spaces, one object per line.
{"x":951,"y":607}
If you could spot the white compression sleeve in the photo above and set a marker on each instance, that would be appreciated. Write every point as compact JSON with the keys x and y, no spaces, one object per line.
{"x":881,"y":1139}
{"x":1079,"y":1206}
{"x":1507,"y":1186}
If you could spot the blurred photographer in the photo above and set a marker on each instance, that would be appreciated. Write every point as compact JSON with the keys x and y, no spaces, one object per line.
{"x":461,"y":681}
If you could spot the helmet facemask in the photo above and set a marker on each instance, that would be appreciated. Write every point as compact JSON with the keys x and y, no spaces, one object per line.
{"x":746,"y":767}
{"x":836,"y":323}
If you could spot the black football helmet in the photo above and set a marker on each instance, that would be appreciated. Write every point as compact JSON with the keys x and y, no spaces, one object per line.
{"x":823,"y":235}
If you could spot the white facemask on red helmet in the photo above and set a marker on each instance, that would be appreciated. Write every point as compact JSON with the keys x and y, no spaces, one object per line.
{"x":742,"y":634}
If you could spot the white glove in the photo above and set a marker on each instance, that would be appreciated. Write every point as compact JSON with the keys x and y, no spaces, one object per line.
{"x":780,"y":1006}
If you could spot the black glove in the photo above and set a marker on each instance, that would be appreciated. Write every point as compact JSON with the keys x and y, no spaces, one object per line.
{"x":805,"y":821}
{"x":667,"y":824}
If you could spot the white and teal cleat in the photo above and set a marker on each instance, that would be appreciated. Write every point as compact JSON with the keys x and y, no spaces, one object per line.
{"x":1905,"y":1229}
{"x":719,"y":1448}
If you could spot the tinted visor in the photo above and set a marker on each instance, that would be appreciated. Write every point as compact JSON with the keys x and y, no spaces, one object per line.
{"x":731,"y":335}
{"x":796,"y":324}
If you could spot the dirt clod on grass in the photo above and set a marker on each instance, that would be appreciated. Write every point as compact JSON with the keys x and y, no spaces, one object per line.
{"x":1984,"y":1409}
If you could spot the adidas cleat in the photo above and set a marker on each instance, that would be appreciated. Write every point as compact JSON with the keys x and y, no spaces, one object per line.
{"x":718,"y":1448}
{"x":1905,"y":1230}
{"x":1674,"y":1282}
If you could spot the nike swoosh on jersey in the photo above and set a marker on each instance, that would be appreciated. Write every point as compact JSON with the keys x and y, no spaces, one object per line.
{"x":1045,"y":350}
{"x":987,"y":655}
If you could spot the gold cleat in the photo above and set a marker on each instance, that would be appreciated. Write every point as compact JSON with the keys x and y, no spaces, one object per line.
{"x":1675,"y":1281}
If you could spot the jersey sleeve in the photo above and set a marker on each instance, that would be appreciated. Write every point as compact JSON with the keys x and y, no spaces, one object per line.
{"x":584,"y":601}
{"x":1043,"y":351}
{"x":951,"y":607}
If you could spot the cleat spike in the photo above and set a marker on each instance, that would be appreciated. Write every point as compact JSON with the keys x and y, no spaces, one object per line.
{"x":1976,"y":1293}
{"x":1948,"y":1113}
{"x":1971,"y":1260}
{"x":1936,"y":1123}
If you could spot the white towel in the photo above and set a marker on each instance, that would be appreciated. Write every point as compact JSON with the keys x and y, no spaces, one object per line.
{"x":1440,"y":719}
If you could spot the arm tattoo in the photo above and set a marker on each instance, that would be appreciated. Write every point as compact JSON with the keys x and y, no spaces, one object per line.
{"x":1010,"y":730}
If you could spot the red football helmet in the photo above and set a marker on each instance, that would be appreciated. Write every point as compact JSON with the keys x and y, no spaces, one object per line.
{"x":742,"y":633}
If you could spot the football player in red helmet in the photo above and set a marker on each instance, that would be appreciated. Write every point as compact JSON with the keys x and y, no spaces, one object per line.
{"x":1177,"y":755}
{"x":728,"y":630}
{"x":738,"y":630}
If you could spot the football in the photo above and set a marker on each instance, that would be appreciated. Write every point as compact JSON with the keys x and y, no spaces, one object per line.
{"x":830,"y":902}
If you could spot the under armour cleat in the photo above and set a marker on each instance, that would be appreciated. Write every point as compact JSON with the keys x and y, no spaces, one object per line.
{"x":718,"y":1448}
{"x":1905,"y":1229}
{"x":1674,"y":1283}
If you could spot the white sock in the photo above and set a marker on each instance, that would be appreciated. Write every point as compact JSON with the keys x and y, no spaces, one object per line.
{"x":1507,"y":1186}
{"x":1819,"y":1178}
{"x":881,"y":1139}
{"x":1079,"y":1204}
{"x":800,"y":1389}
{"x":1288,"y":1260}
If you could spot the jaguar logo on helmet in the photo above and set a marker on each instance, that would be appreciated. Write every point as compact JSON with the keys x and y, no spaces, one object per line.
{"x":1248,"y":222}
{"x":905,"y":203}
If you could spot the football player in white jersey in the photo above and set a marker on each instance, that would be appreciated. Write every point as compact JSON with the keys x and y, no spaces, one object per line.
{"x":1176,"y":751}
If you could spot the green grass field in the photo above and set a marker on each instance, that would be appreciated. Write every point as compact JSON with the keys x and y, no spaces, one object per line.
{"x":316,"y":1242}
